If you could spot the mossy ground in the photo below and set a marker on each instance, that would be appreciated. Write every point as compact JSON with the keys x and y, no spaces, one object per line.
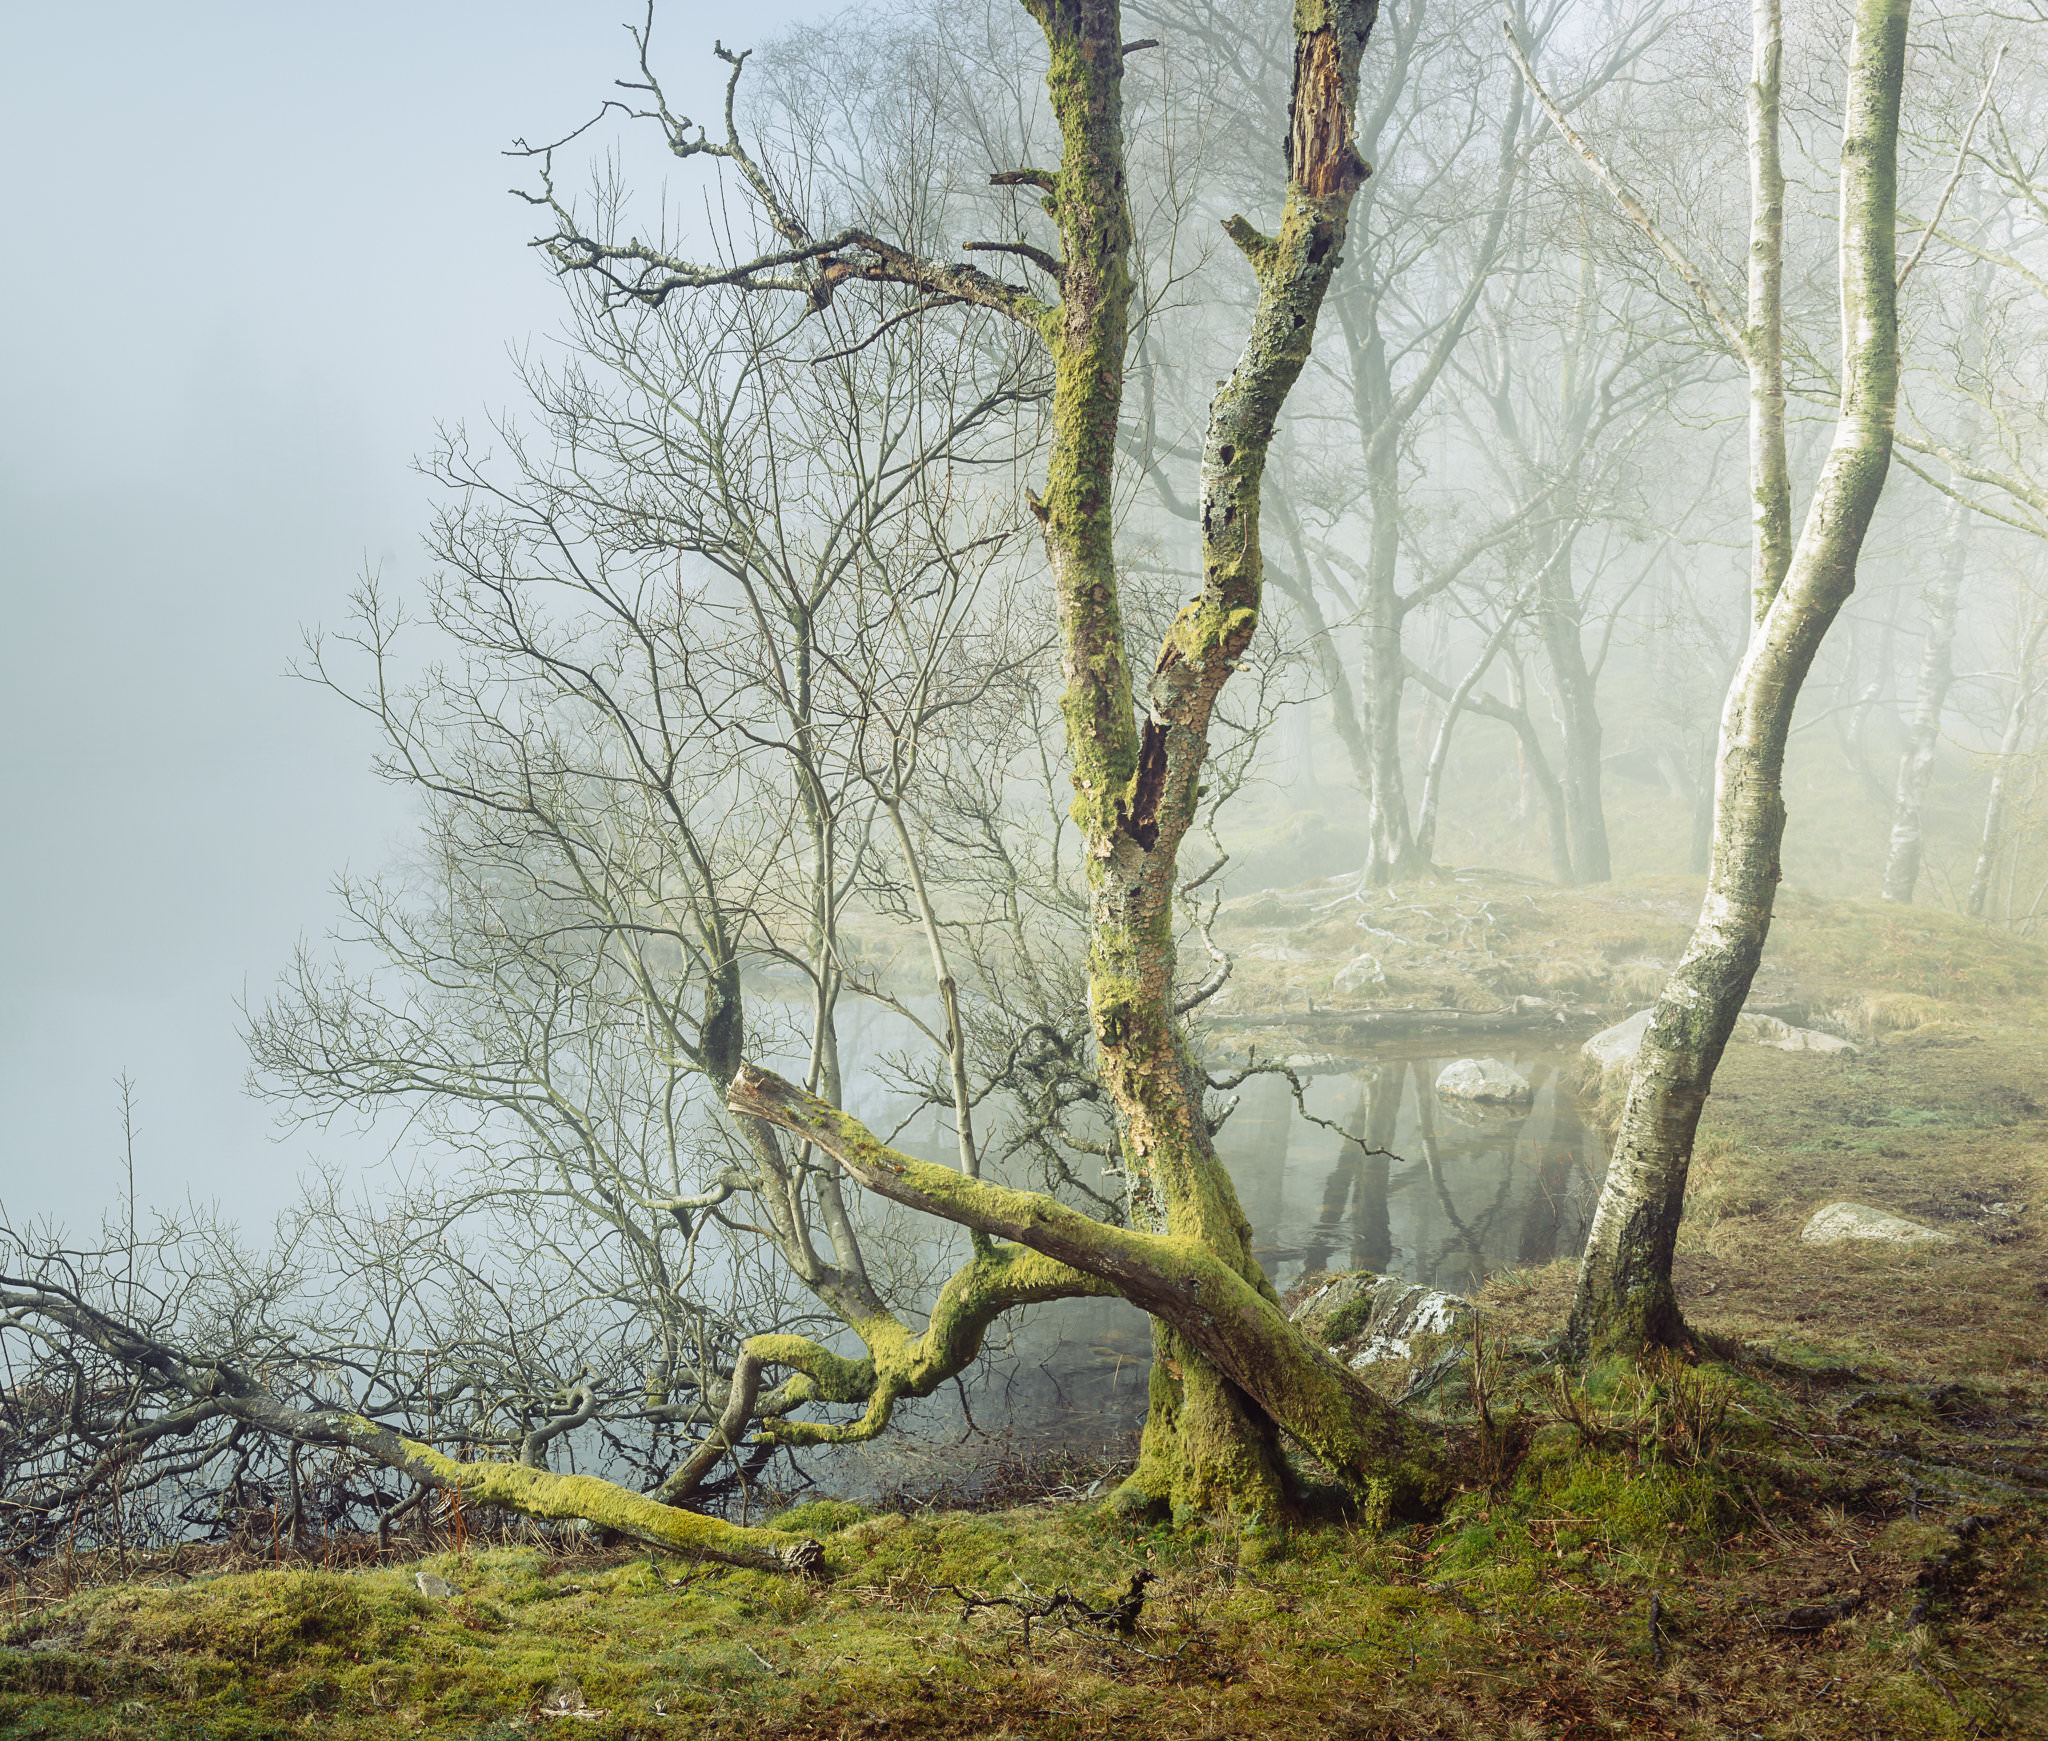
{"x":1826,"y":1557}
{"x":1841,"y":1516}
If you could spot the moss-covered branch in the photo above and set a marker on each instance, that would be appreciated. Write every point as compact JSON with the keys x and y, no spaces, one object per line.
{"x":1237,"y":1327}
{"x":899,"y":1364}
{"x":220,"y":1389}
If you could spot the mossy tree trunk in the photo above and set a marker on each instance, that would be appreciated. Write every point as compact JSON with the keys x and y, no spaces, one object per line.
{"x":1235,"y":1372}
{"x":1208,"y":1445}
{"x":1135,"y":761}
{"x":1224,"y":1322}
{"x":1625,"y":1300}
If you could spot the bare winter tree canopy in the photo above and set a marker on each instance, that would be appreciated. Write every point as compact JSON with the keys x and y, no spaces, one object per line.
{"x":1049,"y":532}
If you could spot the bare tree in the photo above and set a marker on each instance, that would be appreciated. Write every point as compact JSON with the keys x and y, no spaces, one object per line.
{"x":707,"y":761}
{"x":1624,"y":1299}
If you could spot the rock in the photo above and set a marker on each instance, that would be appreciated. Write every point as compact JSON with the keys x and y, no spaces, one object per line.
{"x":1615,"y":1048}
{"x":1402,"y":1311}
{"x":1839,"y":1221}
{"x":1769,"y":1031}
{"x":805,"y":1558}
{"x":1340,"y":1308}
{"x":433,"y":1588}
{"x":1484,"y":1079}
{"x":1380,"y":1314}
{"x":1363,"y":973}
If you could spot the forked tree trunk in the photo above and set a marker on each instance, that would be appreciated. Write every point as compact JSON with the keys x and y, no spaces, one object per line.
{"x":1209,"y":1443}
{"x":1391,"y":853}
{"x":1559,"y":621}
{"x":1991,"y":836}
{"x":1923,"y":731}
{"x":1260,"y":1371}
{"x":1625,"y":1300}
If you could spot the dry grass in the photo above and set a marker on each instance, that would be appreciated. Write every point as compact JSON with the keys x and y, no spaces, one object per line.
{"x":1482,"y":941}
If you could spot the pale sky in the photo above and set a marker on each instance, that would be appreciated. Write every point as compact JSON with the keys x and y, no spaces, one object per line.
{"x":255,"y":251}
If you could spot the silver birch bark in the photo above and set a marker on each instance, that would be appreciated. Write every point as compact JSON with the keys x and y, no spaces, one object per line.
{"x":1625,"y":1301}
{"x":1991,"y":837}
{"x":1923,"y":732}
{"x":1763,"y":346}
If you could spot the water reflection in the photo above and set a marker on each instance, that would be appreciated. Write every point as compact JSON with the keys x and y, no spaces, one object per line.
{"x":1410,"y":1184}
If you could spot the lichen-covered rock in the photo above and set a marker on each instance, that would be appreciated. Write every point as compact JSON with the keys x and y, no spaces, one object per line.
{"x":1363,"y":973}
{"x":1340,"y":1308}
{"x":1769,"y":1031}
{"x":1401,"y":1311}
{"x":1615,"y":1048}
{"x":1377,"y":1317}
{"x":1488,"y":1079}
{"x":1840,"y":1221}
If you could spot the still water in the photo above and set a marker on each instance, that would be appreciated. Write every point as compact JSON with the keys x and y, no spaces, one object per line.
{"x":1406,"y":1183}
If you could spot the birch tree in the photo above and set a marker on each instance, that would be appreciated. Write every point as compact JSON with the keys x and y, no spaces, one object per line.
{"x":1624,"y":1299}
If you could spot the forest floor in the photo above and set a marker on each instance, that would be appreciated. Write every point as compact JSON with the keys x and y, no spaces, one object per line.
{"x":1834,"y":1524}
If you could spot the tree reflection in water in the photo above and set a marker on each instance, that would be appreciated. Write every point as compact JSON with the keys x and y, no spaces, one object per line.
{"x":1459,"y":1192}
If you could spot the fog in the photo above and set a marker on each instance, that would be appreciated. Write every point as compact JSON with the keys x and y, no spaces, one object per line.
{"x":259,"y":252}
{"x":720,"y":583}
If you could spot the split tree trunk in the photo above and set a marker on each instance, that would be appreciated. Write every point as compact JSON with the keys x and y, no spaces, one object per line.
{"x":1211,"y":1442}
{"x":1559,"y":621}
{"x":1390,"y":853}
{"x":1625,"y":1300}
{"x":1992,"y":836}
{"x":1923,"y":733}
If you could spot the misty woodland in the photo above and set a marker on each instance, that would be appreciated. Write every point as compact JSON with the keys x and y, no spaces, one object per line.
{"x":1082,"y":581}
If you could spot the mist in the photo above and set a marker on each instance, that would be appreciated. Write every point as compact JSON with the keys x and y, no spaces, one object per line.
{"x":1273,"y":776}
{"x":261,"y":254}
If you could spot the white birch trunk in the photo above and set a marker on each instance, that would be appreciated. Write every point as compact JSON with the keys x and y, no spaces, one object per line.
{"x":1625,"y":1300}
{"x":1923,"y":732}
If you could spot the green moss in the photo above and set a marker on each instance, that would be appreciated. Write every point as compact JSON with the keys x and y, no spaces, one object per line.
{"x":1524,"y":1606}
{"x":820,"y":1517}
{"x":1349,"y":1320}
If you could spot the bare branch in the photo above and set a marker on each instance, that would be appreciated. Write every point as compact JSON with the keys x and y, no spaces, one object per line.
{"x":1637,"y":212}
